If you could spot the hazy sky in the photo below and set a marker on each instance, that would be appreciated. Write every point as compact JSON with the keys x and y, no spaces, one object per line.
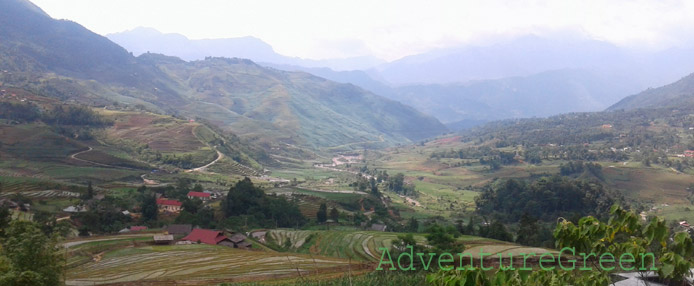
{"x":386,"y":29}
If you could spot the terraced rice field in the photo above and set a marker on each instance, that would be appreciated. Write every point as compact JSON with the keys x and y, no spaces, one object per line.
{"x":44,"y":194}
{"x":364,"y":245}
{"x":198,"y":265}
{"x":358,"y":245}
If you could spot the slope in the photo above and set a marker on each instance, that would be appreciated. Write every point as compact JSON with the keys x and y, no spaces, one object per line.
{"x":64,"y":60}
{"x":680,"y":93}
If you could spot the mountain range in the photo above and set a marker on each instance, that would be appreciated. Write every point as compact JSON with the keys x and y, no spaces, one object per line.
{"x":62,"y":59}
{"x":529,"y":76}
{"x":143,"y":40}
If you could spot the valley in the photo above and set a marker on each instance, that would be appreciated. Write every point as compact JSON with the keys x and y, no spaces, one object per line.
{"x":120,"y":166}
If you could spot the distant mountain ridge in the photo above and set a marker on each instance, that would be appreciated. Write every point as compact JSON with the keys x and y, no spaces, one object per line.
{"x":142,"y":40}
{"x":64,"y":60}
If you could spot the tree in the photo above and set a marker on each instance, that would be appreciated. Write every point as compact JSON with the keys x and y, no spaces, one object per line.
{"x":413,"y":225}
{"x":191,"y":206}
{"x":322,"y":214}
{"x":470,"y":228}
{"x":5,"y":220}
{"x":334,"y":214}
{"x":28,"y":257}
{"x":374,"y":186}
{"x":443,"y":239}
{"x":90,"y":192}
{"x":258,"y":209}
{"x":528,"y":231}
{"x":149,"y":207}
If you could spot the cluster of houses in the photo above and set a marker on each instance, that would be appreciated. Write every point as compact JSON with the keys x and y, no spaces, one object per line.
{"x":10,"y":204}
{"x":175,"y":206}
{"x":686,"y":154}
{"x":190,"y":235}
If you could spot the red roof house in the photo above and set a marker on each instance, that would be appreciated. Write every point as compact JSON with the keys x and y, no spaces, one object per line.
{"x":208,"y":236}
{"x":138,"y":228}
{"x":199,"y":195}
{"x":169,"y":205}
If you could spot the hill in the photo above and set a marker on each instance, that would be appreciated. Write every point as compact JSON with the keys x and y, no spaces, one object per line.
{"x":62,"y":59}
{"x":679,"y":93}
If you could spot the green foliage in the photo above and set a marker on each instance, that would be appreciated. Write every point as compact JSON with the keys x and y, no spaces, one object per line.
{"x":21,"y":112}
{"x":496,"y":230}
{"x":245,"y":199}
{"x":103,"y":216}
{"x":545,"y":198}
{"x":334,"y":214}
{"x":322,"y":214}
{"x":148,"y":205}
{"x":75,"y":115}
{"x":5,"y":219}
{"x":396,"y":183}
{"x":578,"y":167}
{"x":624,"y":234}
{"x":28,"y":257}
{"x":381,"y":278}
{"x":531,"y":233}
{"x":477,"y":277}
{"x":443,"y":239}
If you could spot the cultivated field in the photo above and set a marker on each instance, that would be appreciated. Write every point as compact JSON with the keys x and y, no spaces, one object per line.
{"x":194,"y":265}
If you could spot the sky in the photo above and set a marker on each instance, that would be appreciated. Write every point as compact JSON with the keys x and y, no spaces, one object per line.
{"x":387,"y":29}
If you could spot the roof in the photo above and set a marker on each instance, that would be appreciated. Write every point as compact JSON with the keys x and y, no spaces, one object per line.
{"x":198,"y":194}
{"x":163,"y":237}
{"x":168,"y":202}
{"x":137,"y":228}
{"x":244,"y":244}
{"x":179,"y":228}
{"x":236,"y":238}
{"x":206,"y":236}
{"x":379,"y":227}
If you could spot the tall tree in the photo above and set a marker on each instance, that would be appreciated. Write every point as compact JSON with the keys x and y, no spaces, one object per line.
{"x":413,"y":225}
{"x":28,"y":257}
{"x":322,"y":213}
{"x":528,"y":231}
{"x":149,"y":207}
{"x":334,"y":214}
{"x":90,"y":191}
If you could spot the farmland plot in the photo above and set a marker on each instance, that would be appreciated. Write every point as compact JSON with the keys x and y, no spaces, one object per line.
{"x":198,"y":265}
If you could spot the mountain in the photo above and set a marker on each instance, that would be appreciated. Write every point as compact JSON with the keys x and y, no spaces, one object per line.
{"x":63,"y":60}
{"x":142,"y":40}
{"x":679,"y":93}
{"x":540,"y":95}
{"x":468,"y":104}
{"x":533,"y":54}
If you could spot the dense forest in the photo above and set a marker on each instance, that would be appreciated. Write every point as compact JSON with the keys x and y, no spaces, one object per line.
{"x":545,"y":198}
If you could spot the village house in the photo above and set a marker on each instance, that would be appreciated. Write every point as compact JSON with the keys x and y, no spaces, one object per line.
{"x":199,"y":195}
{"x":163,"y":239}
{"x":169,"y":205}
{"x":75,"y":209}
{"x":179,"y":229}
{"x":239,"y":241}
{"x":208,"y":236}
{"x":378,"y":227}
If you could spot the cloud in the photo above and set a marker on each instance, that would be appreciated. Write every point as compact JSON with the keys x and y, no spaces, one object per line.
{"x":388,"y":29}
